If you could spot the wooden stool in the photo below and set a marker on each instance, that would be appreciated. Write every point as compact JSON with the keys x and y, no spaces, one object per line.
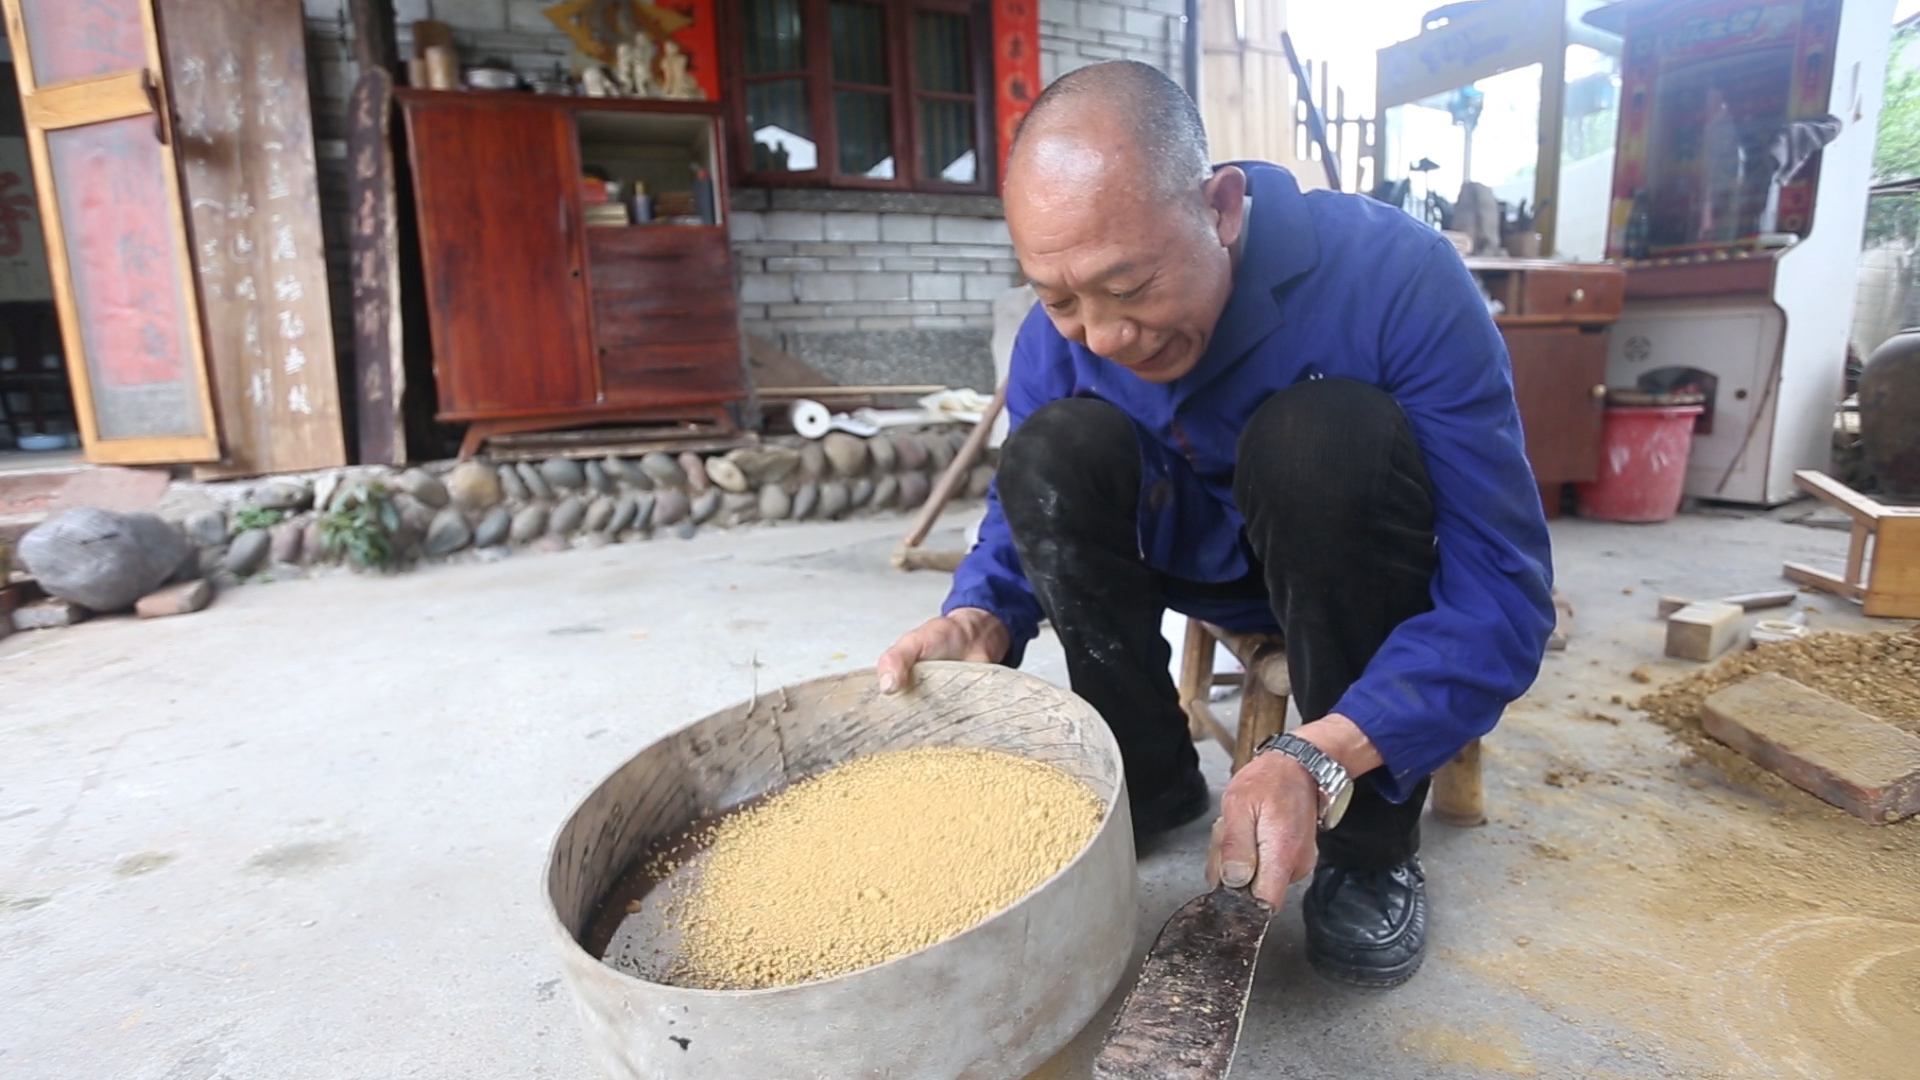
{"x":1459,"y":796}
{"x":1888,"y":584}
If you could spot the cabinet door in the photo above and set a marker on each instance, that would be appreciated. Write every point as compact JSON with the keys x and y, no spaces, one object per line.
{"x":109,"y":190}
{"x":1559,"y":378}
{"x":665,"y":315}
{"x":495,"y":186}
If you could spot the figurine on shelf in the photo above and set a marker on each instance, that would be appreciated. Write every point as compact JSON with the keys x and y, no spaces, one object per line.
{"x":675,"y":80}
{"x":596,"y":82}
{"x":633,"y":68}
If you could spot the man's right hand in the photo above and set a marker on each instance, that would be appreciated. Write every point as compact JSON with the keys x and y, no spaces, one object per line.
{"x":971,"y":634}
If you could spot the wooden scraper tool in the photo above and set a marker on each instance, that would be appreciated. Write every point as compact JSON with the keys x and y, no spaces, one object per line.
{"x":1181,"y":1020}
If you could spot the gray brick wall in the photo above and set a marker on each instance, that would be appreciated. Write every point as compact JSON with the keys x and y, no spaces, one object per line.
{"x":1075,"y":33}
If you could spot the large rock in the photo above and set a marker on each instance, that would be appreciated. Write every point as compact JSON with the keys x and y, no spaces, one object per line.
{"x":528,"y":525}
{"x":805,"y":500}
{"x":246,"y":554}
{"x":665,"y":471}
{"x":767,"y":464}
{"x":625,"y":508}
{"x":862,"y":491}
{"x":424,"y":486}
{"x":313,"y":545}
{"x":979,"y":481}
{"x":565,"y":474}
{"x":643,"y":510}
{"x":813,"y":461}
{"x":289,"y":537}
{"x":536,"y":483}
{"x":696,"y":471}
{"x":599,"y":514}
{"x":208,"y":528}
{"x":884,"y":490}
{"x":939,"y":450}
{"x":287,"y":495}
{"x":415,"y":515}
{"x":833,"y":499}
{"x":627,"y":472}
{"x":704,"y":507}
{"x":567,"y":516}
{"x":726,"y":475}
{"x":493,"y":528}
{"x":103,"y":560}
{"x":597,"y":478}
{"x":473,"y":486}
{"x":671,"y":507}
{"x":847,"y":452}
{"x":881,"y":448}
{"x":913,"y":489}
{"x":514,"y":487}
{"x":738,"y":507}
{"x":775,"y":503}
{"x":447,"y":534}
{"x":911,"y":452}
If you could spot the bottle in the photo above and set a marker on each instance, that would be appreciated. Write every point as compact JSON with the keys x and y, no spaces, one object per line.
{"x":1639,"y":227}
{"x":703,"y":196}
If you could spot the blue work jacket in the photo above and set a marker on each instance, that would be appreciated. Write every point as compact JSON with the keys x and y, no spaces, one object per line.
{"x":1337,"y":286}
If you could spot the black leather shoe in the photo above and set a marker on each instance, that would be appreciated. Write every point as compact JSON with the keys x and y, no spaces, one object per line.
{"x":1173,"y":806}
{"x":1367,"y":927}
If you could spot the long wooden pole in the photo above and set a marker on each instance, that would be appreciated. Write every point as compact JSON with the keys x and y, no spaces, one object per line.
{"x":950,"y":481}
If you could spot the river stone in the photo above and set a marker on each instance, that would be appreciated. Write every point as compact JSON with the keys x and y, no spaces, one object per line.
{"x":473,"y":486}
{"x":599,"y":514}
{"x":514,"y":488}
{"x":549,"y":544}
{"x":565,"y":474}
{"x":447,"y":534}
{"x":313,"y":545}
{"x":643,"y":510}
{"x":736,"y":508}
{"x":805,"y":500}
{"x":696,"y":471}
{"x":704,"y":506}
{"x":288,"y":538}
{"x":664,"y":470}
{"x":766,"y":464}
{"x":726,"y":475}
{"x":417,"y":516}
{"x":939,"y":450}
{"x":424,"y":486}
{"x":913,"y":489}
{"x":884,"y":457}
{"x":597,"y":478}
{"x":775,"y":503}
{"x":285,"y":495}
{"x":493,"y":528}
{"x":911,"y":452}
{"x":687,"y":529}
{"x":813,"y":461}
{"x":979,"y":481}
{"x":325,"y":487}
{"x":884,"y":490}
{"x":847,"y":452}
{"x":624,"y":508}
{"x":244,"y":556}
{"x":528,"y":524}
{"x":536,"y":483}
{"x":567,"y":516}
{"x":103,"y":560}
{"x":833,"y":499}
{"x":671,"y":507}
{"x":626,"y":472}
{"x":862,"y":491}
{"x":208,"y":528}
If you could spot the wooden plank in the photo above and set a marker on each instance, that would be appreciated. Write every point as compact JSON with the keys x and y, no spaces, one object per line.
{"x":1196,"y":675}
{"x":1893,"y":584}
{"x":379,"y":366}
{"x":644,"y":374}
{"x":90,"y":101}
{"x":1812,"y":577}
{"x":1857,"y":762}
{"x":238,"y":78}
{"x":1857,"y":506}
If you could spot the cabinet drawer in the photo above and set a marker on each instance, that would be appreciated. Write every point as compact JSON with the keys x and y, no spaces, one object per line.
{"x":1571,"y":294}
{"x":671,"y":372}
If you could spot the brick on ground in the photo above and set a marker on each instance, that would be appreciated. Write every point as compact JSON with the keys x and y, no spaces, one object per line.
{"x":1857,"y":762}
{"x":1703,"y":630}
{"x":181,"y":599}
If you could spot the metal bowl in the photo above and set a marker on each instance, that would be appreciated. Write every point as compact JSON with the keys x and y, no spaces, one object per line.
{"x":995,"y":1001}
{"x":482,"y":78}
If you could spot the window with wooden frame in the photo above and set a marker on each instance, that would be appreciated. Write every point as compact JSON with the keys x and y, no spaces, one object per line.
{"x":890,"y":94}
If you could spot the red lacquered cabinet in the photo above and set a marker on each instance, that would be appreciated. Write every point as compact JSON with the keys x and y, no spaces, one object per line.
{"x":541,"y":319}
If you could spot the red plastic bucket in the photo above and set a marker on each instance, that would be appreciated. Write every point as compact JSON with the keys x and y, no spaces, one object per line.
{"x":1643,"y":463}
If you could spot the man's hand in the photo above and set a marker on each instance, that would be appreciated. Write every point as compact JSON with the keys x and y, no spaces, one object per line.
{"x":1268,"y":832}
{"x":1269,"y":828}
{"x":971,"y":634}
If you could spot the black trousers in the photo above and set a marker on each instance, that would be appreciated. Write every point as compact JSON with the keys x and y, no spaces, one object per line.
{"x":1339,"y":523}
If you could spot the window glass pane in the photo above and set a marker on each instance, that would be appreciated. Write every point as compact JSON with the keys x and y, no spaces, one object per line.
{"x":772,"y":31}
{"x":782,"y":130}
{"x":864,"y":123}
{"x":940,"y":52}
{"x":946,"y":141}
{"x":859,"y":44}
{"x":75,"y":41}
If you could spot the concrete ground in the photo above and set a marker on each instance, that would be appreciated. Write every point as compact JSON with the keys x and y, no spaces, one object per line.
{"x":301,"y":834}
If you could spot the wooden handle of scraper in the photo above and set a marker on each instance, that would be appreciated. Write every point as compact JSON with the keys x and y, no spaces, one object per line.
{"x":957,"y":470}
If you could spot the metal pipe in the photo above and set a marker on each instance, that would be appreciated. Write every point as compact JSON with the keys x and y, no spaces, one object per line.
{"x":1191,"y":48}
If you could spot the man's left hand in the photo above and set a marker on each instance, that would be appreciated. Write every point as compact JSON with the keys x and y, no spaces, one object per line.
{"x":1268,"y":832}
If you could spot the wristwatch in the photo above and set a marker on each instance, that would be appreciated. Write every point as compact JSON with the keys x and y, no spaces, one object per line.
{"x":1336,"y":787}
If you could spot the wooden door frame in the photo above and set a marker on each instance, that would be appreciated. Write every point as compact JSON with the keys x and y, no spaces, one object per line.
{"x":91,"y":101}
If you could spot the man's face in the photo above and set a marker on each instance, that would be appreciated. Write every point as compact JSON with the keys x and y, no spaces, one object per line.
{"x":1137,"y":280}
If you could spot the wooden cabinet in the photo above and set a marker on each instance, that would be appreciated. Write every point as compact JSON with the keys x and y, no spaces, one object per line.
{"x":1555,"y":324}
{"x":541,"y":320}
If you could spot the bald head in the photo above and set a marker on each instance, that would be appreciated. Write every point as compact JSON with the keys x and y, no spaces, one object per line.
{"x":1147,"y":122}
